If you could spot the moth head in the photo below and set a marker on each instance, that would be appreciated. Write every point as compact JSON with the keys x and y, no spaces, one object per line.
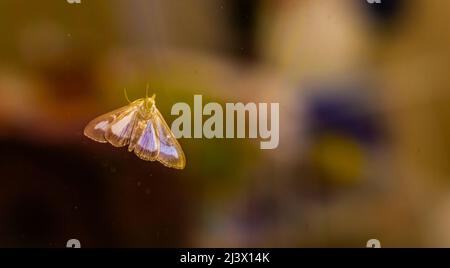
{"x":148,"y":107}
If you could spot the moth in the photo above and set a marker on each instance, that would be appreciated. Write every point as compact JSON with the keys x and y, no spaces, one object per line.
{"x":141,"y":126}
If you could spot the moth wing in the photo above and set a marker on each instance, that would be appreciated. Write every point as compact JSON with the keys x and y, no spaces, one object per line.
{"x":96,"y":129}
{"x":144,"y":140}
{"x":120,"y":129}
{"x":170,"y":152}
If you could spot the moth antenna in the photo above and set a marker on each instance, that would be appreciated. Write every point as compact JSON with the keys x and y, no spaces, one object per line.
{"x":153,"y":97}
{"x":126,"y":95}
{"x":146,"y":90}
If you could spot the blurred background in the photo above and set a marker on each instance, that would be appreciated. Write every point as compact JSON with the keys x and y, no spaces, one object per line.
{"x":364,"y":123}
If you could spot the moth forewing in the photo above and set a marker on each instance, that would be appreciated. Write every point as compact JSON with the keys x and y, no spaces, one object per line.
{"x":170,"y":152}
{"x":96,"y":128}
{"x":136,"y":134}
{"x":145,"y":143}
{"x":119,"y":131}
